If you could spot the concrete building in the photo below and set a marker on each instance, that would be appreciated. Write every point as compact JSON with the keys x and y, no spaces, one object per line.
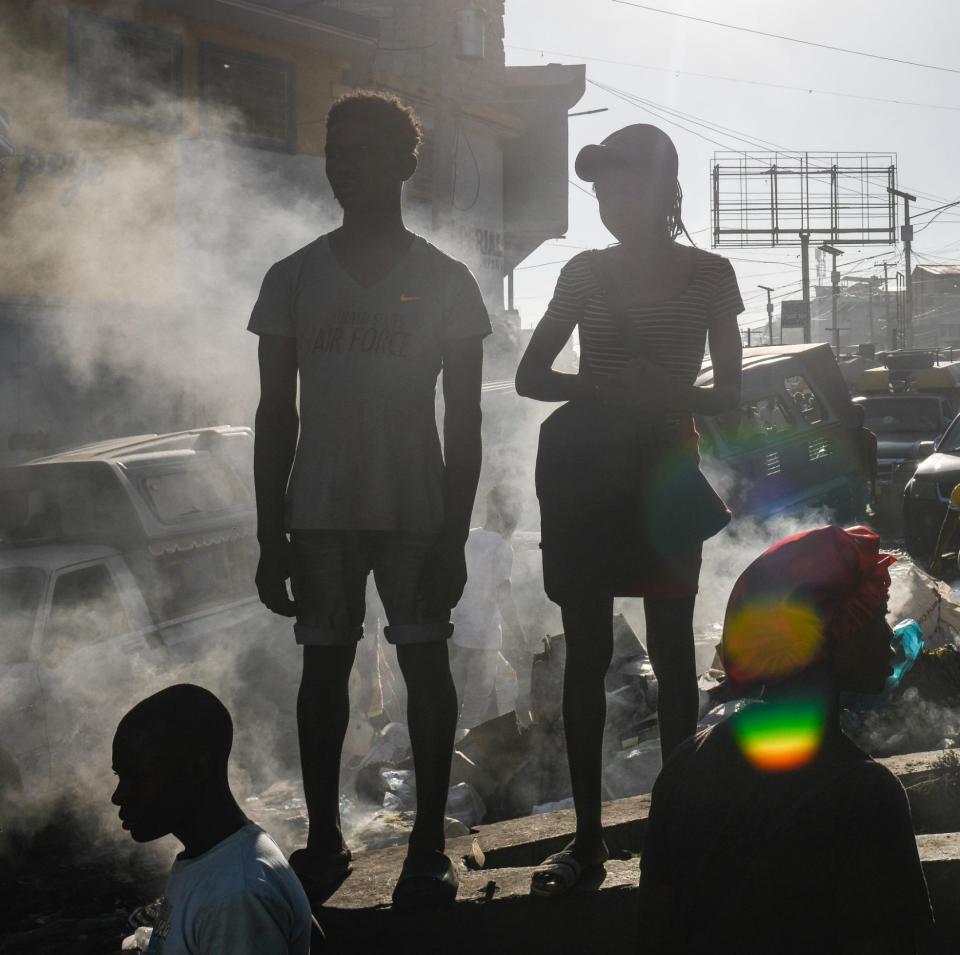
{"x":936,"y":306}
{"x":169,"y":151}
{"x":867,"y":315}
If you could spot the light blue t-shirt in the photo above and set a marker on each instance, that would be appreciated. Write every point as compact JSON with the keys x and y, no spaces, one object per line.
{"x":240,"y":897}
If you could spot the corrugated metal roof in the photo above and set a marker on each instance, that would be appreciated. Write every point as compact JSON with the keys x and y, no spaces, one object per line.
{"x":939,"y":269}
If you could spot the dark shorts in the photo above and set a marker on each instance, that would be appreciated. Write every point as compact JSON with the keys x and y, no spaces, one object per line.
{"x":329,"y":585}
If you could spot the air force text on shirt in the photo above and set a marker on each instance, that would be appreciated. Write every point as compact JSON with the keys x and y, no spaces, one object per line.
{"x":373,"y":333}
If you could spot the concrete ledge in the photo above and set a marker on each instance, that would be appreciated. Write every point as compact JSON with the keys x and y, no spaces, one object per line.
{"x":495,"y":912}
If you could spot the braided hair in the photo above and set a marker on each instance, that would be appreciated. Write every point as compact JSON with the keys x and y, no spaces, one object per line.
{"x":675,"y":219}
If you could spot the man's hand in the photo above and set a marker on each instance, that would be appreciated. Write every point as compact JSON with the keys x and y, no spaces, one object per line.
{"x":443,"y":578}
{"x":273,"y":570}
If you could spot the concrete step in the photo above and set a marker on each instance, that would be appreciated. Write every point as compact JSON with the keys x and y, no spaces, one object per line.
{"x":496,"y":915}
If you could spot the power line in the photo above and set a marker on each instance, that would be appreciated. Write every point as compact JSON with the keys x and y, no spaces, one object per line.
{"x":789,"y":39}
{"x":734,"y":79}
{"x":690,"y":118}
{"x":586,"y":192}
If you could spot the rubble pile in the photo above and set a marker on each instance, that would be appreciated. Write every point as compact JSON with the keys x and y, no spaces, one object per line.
{"x":922,"y":714}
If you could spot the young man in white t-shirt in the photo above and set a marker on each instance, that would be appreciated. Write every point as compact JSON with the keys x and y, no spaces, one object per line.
{"x":363,"y":320}
{"x":230,"y":889}
{"x":487,"y":604}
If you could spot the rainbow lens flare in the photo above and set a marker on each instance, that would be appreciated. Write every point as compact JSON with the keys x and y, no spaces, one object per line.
{"x":781,"y":735}
{"x":767,"y":642}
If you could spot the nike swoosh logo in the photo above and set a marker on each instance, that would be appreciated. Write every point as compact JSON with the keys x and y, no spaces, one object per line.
{"x":409,"y":298}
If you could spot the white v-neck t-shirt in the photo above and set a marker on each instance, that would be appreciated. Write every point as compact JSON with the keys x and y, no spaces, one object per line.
{"x":369,"y":456}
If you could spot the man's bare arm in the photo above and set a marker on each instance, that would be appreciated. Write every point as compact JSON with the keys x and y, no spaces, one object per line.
{"x":462,"y":449}
{"x":277,"y":428}
{"x":445,"y":575}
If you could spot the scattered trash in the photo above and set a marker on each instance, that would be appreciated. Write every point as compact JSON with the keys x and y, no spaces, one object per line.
{"x":391,"y":745}
{"x":464,"y":803}
{"x":384,"y":829}
{"x":400,"y":789}
{"x":139,"y":941}
{"x":633,"y":772}
{"x":907,"y":642}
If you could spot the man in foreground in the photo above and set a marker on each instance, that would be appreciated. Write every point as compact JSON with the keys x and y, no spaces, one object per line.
{"x":772,"y":831}
{"x":365,"y":318}
{"x":230,"y":889}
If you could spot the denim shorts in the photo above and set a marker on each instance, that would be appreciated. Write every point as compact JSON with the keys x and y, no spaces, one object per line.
{"x":329,"y":585}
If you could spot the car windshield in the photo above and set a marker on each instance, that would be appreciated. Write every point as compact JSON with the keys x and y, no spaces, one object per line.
{"x":20,"y":591}
{"x":908,"y":414}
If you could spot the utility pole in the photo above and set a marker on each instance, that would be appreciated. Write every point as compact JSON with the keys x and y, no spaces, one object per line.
{"x":834,"y":301}
{"x":769,"y":292}
{"x":901,"y":331}
{"x":891,"y":333}
{"x":906,"y":234}
{"x":870,"y":307}
{"x":805,"y":268}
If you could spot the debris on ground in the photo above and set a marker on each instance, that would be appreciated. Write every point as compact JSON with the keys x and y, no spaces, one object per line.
{"x":633,"y":771}
{"x":935,"y":799}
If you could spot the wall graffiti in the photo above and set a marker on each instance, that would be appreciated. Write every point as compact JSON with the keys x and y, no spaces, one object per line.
{"x":490,"y":245}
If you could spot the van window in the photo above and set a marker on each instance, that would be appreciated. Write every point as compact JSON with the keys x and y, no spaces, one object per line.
{"x":760,"y":419}
{"x":200,"y":490}
{"x":806,"y":402}
{"x":20,"y":591}
{"x":85,"y":608}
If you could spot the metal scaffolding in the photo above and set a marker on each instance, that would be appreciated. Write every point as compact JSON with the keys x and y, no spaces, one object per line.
{"x":772,"y":199}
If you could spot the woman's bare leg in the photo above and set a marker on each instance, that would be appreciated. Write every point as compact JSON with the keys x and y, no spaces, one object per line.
{"x":670,"y":645}
{"x":588,"y":629}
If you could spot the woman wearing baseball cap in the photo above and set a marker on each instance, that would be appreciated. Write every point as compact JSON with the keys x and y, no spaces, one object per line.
{"x":624,"y":508}
{"x":772,"y":831}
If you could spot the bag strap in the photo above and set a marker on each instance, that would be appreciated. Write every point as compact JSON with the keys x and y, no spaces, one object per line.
{"x":618,"y":311}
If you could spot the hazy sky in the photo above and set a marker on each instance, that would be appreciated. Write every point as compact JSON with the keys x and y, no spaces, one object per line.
{"x":926,"y":140}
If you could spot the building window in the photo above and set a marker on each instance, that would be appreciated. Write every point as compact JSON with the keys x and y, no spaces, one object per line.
{"x":247,"y":97}
{"x":124,"y":72}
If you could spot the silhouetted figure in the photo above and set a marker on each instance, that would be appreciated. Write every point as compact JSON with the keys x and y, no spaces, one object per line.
{"x":772,"y":831}
{"x":624,"y":508}
{"x":230,"y":889}
{"x":865,"y":446}
{"x":486,"y":606}
{"x":367,"y":316}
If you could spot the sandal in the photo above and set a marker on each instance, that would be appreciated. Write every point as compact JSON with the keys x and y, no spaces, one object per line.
{"x":560,"y":873}
{"x":321,"y":874}
{"x":427,"y":879}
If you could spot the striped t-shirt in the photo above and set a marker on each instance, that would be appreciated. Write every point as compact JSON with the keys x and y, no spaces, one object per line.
{"x":673,"y":333}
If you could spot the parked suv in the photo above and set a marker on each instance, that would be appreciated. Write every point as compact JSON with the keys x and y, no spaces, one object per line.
{"x":124,"y":563}
{"x":927,"y":493}
{"x":907,"y":427}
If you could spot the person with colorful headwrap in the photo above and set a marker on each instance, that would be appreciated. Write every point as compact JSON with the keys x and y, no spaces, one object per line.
{"x":771,"y":831}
